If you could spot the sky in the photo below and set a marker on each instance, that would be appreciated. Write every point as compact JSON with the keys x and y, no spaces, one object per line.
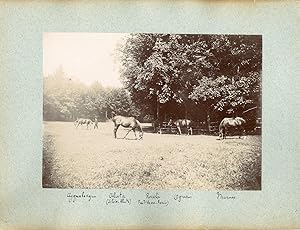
{"x":88,"y":57}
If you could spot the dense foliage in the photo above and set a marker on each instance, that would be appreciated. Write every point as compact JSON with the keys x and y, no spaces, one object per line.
{"x":66,"y":100}
{"x":200,"y":77}
{"x":192,"y":75}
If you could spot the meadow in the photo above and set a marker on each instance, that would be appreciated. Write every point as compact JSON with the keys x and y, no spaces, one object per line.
{"x":93,"y":158}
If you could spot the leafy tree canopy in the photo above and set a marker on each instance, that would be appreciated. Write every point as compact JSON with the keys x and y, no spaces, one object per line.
{"x":215,"y":71}
{"x":66,"y":99}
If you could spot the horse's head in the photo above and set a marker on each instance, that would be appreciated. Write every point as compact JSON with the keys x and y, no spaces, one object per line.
{"x":171,"y":122}
{"x":75,"y":122}
{"x":140,"y":136}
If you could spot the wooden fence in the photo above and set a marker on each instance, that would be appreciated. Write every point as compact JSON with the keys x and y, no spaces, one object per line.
{"x":197,"y":128}
{"x":253,"y":127}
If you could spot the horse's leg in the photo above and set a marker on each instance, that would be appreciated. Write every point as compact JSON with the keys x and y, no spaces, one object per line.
{"x":190,"y":131}
{"x":242,"y":132}
{"x":141,"y":132}
{"x":179,"y":129}
{"x":134,"y":133}
{"x":128,"y":132}
{"x":115,"y":130}
{"x":221,"y":133}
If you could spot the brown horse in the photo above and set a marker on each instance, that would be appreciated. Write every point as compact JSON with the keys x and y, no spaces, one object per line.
{"x":231,"y":123}
{"x":127,"y":122}
{"x":181,"y":123}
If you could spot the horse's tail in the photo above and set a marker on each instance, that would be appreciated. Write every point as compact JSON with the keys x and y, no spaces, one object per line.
{"x":113,"y":119}
{"x":221,"y":125}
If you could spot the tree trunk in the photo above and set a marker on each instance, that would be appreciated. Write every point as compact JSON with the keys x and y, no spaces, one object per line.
{"x":157,"y":109}
{"x":208,"y":120}
{"x":156,"y":124}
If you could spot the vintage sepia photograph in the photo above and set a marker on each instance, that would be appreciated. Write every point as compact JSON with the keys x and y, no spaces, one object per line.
{"x":152,"y":111}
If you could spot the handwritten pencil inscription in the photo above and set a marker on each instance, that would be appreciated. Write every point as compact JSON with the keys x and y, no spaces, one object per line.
{"x":117,"y":198}
{"x":73,"y":197}
{"x":153,"y":199}
{"x":225,"y":197}
{"x":181,"y":198}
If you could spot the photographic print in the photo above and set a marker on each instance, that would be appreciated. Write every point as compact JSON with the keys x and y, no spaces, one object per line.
{"x":152,"y":111}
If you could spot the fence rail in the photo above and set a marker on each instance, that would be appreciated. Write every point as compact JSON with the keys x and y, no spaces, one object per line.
{"x":198,"y":128}
{"x":202,"y":128}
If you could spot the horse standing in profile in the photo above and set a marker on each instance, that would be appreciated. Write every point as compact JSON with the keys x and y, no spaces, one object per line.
{"x":82,"y":121}
{"x":127,"y":122}
{"x":180,"y":124}
{"x":231,"y":123}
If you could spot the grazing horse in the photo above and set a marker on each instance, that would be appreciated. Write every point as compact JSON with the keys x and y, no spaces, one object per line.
{"x":231,"y":123}
{"x":181,"y":123}
{"x":82,"y":121}
{"x":127,"y":122}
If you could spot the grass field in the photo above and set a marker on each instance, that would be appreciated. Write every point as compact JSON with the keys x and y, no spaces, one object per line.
{"x":81,"y":158}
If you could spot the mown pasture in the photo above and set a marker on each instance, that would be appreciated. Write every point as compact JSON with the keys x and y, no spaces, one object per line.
{"x":81,"y":158}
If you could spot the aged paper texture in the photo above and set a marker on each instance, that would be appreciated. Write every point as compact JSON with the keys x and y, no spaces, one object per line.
{"x":148,"y":114}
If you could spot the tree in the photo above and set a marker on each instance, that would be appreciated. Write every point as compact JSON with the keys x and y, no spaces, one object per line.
{"x":215,"y":71}
{"x":153,"y":70}
{"x":66,"y":99}
{"x":235,"y":81}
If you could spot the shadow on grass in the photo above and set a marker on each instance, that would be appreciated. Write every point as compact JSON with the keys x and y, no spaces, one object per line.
{"x":129,"y":139}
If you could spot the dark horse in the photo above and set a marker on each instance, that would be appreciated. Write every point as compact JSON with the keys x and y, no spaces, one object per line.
{"x":231,"y":123}
{"x":83,"y":121}
{"x":181,"y":123}
{"x":127,"y":122}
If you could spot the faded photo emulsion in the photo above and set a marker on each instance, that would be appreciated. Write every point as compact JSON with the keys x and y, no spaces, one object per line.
{"x":152,"y":111}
